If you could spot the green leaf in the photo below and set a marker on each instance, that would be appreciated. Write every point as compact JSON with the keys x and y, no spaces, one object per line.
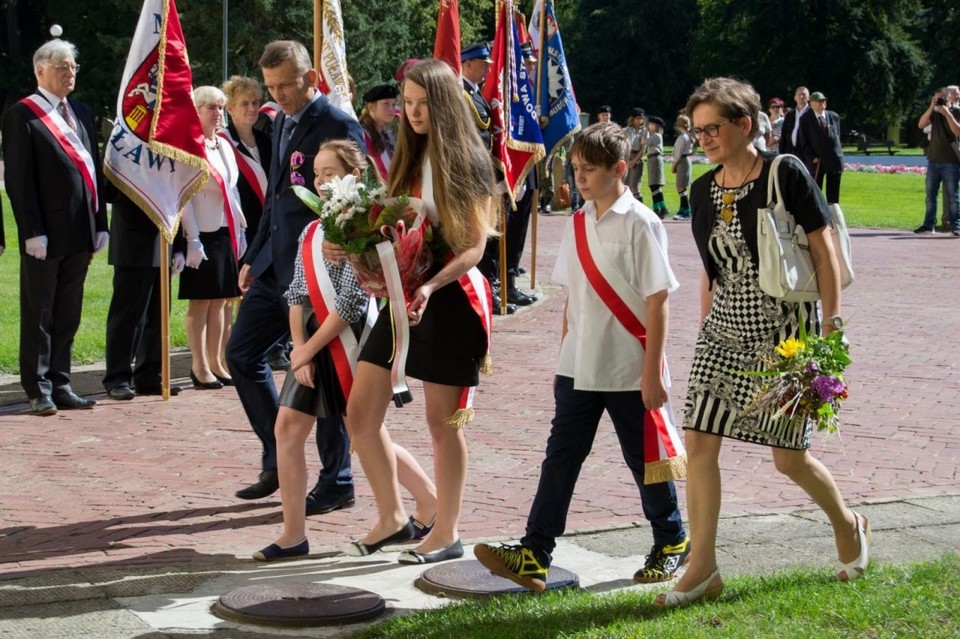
{"x":308,"y":197}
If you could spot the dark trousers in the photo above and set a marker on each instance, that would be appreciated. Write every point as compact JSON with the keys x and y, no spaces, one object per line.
{"x":518,"y":222}
{"x":833,"y":186}
{"x":51,"y":298}
{"x":133,"y":328}
{"x":572,"y":433}
{"x":262,"y":322}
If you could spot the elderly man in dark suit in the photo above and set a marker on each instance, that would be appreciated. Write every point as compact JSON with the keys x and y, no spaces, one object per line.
{"x":820,"y":145}
{"x":53,"y":177}
{"x":790,"y":133}
{"x":307,"y":120}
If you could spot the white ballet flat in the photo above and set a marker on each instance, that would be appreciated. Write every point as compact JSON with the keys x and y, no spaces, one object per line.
{"x":856,"y":568}
{"x":707,"y":589}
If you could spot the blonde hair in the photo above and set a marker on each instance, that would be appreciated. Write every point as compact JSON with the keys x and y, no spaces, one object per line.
{"x":239,"y":85}
{"x":462,"y":168}
{"x":683,"y":122}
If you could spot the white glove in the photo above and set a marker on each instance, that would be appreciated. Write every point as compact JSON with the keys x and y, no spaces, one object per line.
{"x":502,"y":187}
{"x":36,"y":247}
{"x":522,"y":191}
{"x":177,"y":263}
{"x":101,"y":241}
{"x":195,"y":253}
{"x":242,"y":243}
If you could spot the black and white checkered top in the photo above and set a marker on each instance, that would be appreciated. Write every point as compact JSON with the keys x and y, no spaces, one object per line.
{"x":743,"y":324}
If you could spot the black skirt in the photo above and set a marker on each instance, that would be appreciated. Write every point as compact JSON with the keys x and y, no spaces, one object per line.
{"x":326,"y":398}
{"x":217,"y":276}
{"x":447,"y":347}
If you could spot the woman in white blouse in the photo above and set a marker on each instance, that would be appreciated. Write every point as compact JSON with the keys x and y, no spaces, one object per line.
{"x":214,"y":228}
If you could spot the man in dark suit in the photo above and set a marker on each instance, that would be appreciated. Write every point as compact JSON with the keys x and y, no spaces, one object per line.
{"x":790,"y":134}
{"x":133,"y":348}
{"x":53,"y":177}
{"x":307,"y":120}
{"x":475,"y":60}
{"x":820,"y":145}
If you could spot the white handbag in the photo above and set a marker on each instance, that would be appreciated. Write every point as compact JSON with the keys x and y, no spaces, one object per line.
{"x":786,"y":266}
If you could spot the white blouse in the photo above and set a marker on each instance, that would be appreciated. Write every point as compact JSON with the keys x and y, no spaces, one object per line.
{"x":205,"y":212}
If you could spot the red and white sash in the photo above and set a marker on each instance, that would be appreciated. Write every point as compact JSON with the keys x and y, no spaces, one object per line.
{"x":376,"y":157}
{"x":250,"y":169}
{"x":69,"y":141}
{"x":345,"y":347}
{"x":665,"y":458}
{"x":231,"y":208}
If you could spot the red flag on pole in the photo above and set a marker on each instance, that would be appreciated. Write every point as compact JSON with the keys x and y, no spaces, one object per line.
{"x":517,"y":141}
{"x":155,"y":153}
{"x":446,"y":47}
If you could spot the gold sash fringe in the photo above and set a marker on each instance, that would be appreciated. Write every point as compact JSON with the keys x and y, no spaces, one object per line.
{"x":487,"y":366}
{"x":665,"y":470}
{"x":460,"y":418}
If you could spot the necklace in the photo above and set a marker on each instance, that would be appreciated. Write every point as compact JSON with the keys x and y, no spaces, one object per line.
{"x":214,"y":145}
{"x":730,"y":197}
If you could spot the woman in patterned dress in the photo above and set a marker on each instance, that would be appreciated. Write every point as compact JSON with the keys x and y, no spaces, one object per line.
{"x":740,"y":323}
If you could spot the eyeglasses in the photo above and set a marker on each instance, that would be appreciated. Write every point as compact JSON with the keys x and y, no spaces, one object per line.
{"x":775,"y":106}
{"x":63,"y":68}
{"x":711,"y":130}
{"x":296,"y":161}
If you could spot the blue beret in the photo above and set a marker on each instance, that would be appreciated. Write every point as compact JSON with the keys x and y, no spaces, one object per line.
{"x":476,"y":51}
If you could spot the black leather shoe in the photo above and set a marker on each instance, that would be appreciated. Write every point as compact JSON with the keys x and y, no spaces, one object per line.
{"x":521,"y":270}
{"x":227,"y":381}
{"x":198,"y":385}
{"x":71,"y":401}
{"x":264,"y":487}
{"x":43,"y":406}
{"x":511,"y":308}
{"x":518,"y":297}
{"x":122,"y":392}
{"x":322,"y":502}
{"x":158,"y":390}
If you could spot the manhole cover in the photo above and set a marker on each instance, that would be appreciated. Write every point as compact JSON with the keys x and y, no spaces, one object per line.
{"x":470,"y":579}
{"x":299,"y":605}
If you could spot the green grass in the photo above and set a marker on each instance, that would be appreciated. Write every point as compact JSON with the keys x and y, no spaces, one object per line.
{"x":917,"y":600}
{"x":88,"y":346}
{"x":869,"y":200}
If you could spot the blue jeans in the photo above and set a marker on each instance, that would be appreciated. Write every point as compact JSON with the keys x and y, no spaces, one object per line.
{"x":574,"y":427}
{"x":949,"y":174}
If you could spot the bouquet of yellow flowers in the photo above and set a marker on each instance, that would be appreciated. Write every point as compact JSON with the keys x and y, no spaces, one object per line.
{"x":357,"y":216}
{"x":805,"y":380}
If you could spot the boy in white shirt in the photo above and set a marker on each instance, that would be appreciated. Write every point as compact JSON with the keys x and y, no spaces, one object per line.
{"x":613,"y":260}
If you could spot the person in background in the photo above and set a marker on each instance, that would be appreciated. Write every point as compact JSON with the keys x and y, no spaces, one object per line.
{"x":790,"y":132}
{"x":656,"y":178}
{"x":379,"y":111}
{"x":821,"y":147}
{"x":133,"y":339}
{"x":775,"y":106}
{"x":943,"y":164}
{"x":682,"y":166}
{"x":637,"y":136}
{"x":54,"y":179}
{"x":215,"y":230}
{"x":604,"y":113}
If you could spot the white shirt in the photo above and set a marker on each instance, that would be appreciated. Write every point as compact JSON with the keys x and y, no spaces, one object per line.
{"x":204,"y":213}
{"x":796,"y":124}
{"x":597,"y":351}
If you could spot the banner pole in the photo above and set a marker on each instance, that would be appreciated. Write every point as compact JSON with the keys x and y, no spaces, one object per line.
{"x":503,"y":257}
{"x":533,"y":239}
{"x":164,"y":317}
{"x":317,"y":33}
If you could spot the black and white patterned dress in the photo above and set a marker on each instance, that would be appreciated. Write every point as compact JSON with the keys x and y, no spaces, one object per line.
{"x":743,"y":324}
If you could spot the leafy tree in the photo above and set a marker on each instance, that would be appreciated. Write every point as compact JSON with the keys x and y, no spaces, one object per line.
{"x":860,"y":53}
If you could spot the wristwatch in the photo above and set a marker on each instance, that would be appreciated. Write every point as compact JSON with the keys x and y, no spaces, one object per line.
{"x":837,"y":322}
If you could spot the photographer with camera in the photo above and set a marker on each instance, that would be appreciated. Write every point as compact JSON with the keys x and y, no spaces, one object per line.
{"x":943,"y":157}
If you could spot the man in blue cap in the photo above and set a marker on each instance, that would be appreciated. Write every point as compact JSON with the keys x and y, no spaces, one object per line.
{"x":475,"y":62}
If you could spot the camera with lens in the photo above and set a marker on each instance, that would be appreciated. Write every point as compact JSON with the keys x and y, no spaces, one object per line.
{"x":941,"y":101}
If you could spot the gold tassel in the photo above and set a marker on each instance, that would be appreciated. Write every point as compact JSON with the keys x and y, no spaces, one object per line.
{"x":665,"y":470}
{"x":487,"y":366}
{"x":460,"y":418}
